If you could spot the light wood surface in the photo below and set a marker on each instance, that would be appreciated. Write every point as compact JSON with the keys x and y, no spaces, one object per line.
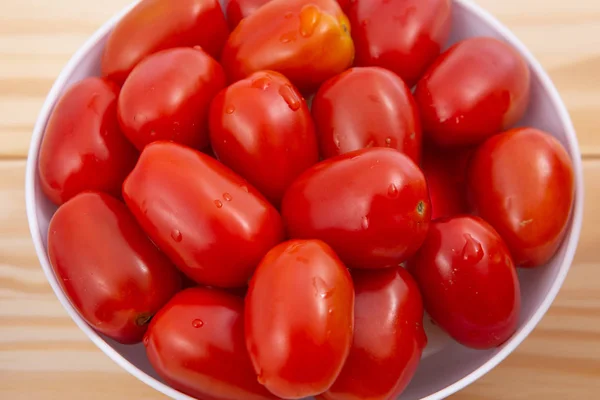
{"x":43,"y":355}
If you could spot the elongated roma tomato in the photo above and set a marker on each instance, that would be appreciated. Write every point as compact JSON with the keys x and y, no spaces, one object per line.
{"x":468,"y":281}
{"x":154,"y":25}
{"x":477,"y":88}
{"x":388,"y":337}
{"x":446,"y":175}
{"x":237,"y":10}
{"x":210,"y":222}
{"x":112,"y":273}
{"x":167,"y":97}
{"x":83,"y":147}
{"x":299,"y":318}
{"x":262,"y":129}
{"x":522,"y":183}
{"x":196,"y":343}
{"x":308,"y":41}
{"x":366,"y":107}
{"x":370,"y":205}
{"x":404,"y":36}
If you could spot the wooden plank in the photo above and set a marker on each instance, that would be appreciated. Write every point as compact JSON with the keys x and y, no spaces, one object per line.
{"x":43,"y":355}
{"x":36,"y":42}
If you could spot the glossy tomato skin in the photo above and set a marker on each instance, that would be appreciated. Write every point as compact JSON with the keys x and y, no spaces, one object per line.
{"x":83,"y":147}
{"x":370,"y":205}
{"x":299,"y":318}
{"x":366,"y":107}
{"x":479,"y":87}
{"x":196,"y":343}
{"x":522,"y":183}
{"x":468,"y":281}
{"x":155,"y":25}
{"x":404,"y":36}
{"x":237,"y":10}
{"x":446,"y":175}
{"x":210,"y":222}
{"x":308,"y":41}
{"x":167,"y":97}
{"x":262,"y":129}
{"x":113,"y":275}
{"x":388,"y":337}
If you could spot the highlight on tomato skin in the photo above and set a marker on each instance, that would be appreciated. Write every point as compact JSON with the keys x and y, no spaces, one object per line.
{"x":111,"y":272}
{"x":299,"y":318}
{"x":468,"y":281}
{"x":522,"y":182}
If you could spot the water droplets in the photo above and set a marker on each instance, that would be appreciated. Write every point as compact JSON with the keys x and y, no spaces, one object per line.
{"x":197,"y":323}
{"x":245,"y":188}
{"x":260,"y":378}
{"x":227,"y":197}
{"x":472,"y":251}
{"x":261,"y":83}
{"x":365,"y":222}
{"x":176,"y":235}
{"x":336,"y":141}
{"x":291,"y":97}
{"x":310,"y":16}
{"x":218,"y":203}
{"x":393,"y":191}
{"x":322,"y":289}
{"x":288,"y":37}
{"x":197,"y":47}
{"x":330,"y":311}
{"x":230,"y":109}
{"x":388,"y":142}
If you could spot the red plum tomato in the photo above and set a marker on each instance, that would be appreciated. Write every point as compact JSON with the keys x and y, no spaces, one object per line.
{"x":299,"y":318}
{"x":167,"y":97}
{"x":111,"y":272}
{"x":468,"y":281}
{"x":370,"y":205}
{"x":210,"y":222}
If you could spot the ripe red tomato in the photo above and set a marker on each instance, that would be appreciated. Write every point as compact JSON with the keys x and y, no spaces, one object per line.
{"x":476,"y":89}
{"x":113,"y":275}
{"x":404,"y":36}
{"x":308,"y":41}
{"x":388,"y":337}
{"x":212,"y":224}
{"x":370,"y":205}
{"x":262,"y":129}
{"x":167,"y":97}
{"x":521,"y":182}
{"x":155,"y":25}
{"x":446,"y":175}
{"x":83,"y":147}
{"x":240,"y":9}
{"x":366,"y":107}
{"x":299,"y":318}
{"x":468,"y":281}
{"x":196,"y":343}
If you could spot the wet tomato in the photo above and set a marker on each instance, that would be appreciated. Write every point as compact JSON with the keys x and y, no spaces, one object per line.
{"x":366,"y":107}
{"x":208,"y":220}
{"x":388,"y":337}
{"x":299,"y":318}
{"x":196,"y":343}
{"x":370,"y":205}
{"x":308,"y":41}
{"x":404,"y":36}
{"x":477,"y":88}
{"x":167,"y":97}
{"x":262,"y":129}
{"x":522,"y":183}
{"x":468,"y":281}
{"x":83,"y":147}
{"x":154,"y":25}
{"x":112,"y":274}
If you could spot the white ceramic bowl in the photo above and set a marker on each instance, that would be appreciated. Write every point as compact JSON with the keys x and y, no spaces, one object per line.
{"x":446,"y":367}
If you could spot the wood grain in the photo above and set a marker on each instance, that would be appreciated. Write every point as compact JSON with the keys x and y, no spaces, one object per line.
{"x":43,"y":355}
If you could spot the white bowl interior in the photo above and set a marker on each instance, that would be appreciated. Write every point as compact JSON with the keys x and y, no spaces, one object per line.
{"x":446,"y":367}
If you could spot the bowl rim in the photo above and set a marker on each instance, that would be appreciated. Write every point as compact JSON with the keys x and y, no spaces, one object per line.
{"x":509,"y":347}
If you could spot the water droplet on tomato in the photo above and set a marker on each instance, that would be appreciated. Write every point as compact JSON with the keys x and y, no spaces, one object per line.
{"x":245,"y":188}
{"x":197,"y":323}
{"x":218,"y":203}
{"x":472,"y":251}
{"x":230,"y":109}
{"x":227,"y":196}
{"x":310,"y":16}
{"x":393,"y":191}
{"x":365,"y":223}
{"x":291,"y":97}
{"x":321,"y":288}
{"x":330,"y":311}
{"x":388,"y":142}
{"x":336,"y":140}
{"x":176,"y":235}
{"x":260,"y":378}
{"x":262,"y":83}
{"x":288,"y":37}
{"x":197,"y":47}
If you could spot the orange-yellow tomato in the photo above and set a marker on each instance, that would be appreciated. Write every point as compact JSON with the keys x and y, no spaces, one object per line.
{"x":306,"y":40}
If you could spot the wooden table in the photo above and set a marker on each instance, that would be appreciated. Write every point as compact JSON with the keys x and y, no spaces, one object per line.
{"x":43,"y":355}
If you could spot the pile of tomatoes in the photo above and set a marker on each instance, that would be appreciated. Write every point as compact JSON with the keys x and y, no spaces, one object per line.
{"x":261,"y":247}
